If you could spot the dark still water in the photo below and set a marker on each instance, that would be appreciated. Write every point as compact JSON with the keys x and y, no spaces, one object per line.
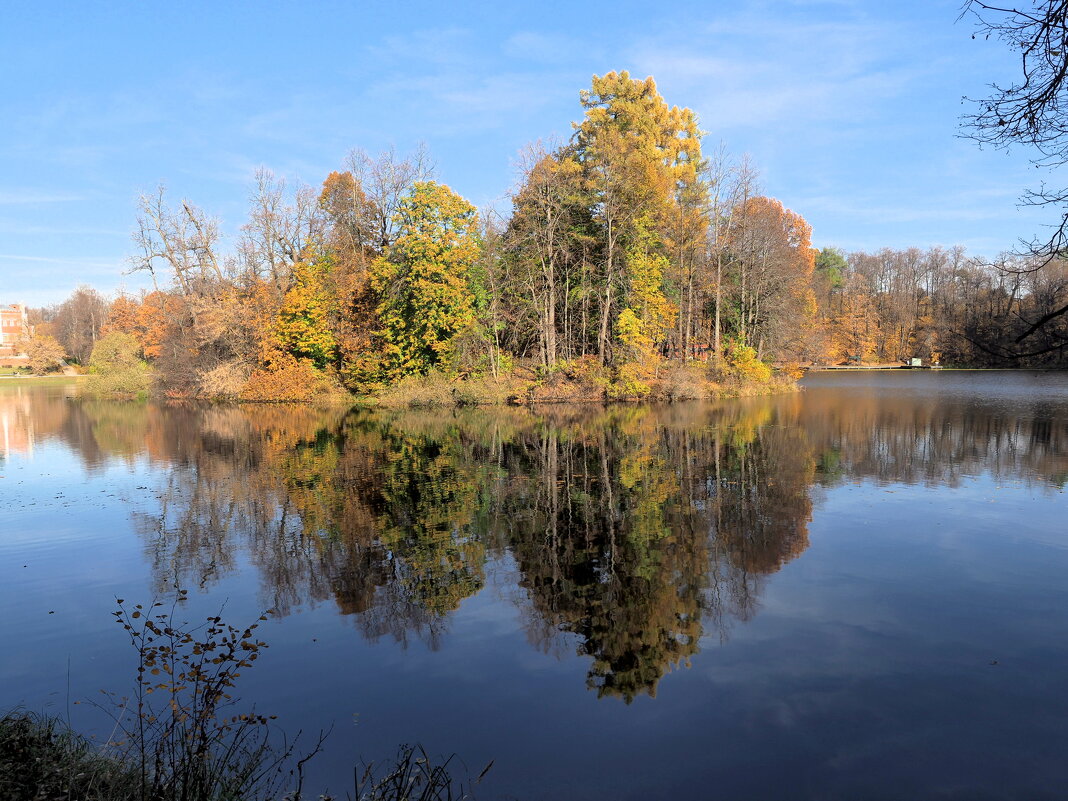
{"x":857,"y":592}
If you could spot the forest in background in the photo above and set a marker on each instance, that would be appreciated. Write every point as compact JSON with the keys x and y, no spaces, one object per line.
{"x":629,"y":255}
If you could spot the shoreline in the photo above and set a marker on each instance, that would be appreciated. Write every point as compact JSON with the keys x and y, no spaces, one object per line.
{"x":882,"y":368}
{"x":53,"y":378}
{"x":430,"y":394}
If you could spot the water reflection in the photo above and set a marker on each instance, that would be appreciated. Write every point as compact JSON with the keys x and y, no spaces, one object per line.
{"x":633,"y":531}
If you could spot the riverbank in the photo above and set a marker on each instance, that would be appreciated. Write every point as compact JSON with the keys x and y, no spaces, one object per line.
{"x":584,"y":381}
{"x":816,"y":368}
{"x":36,"y":380}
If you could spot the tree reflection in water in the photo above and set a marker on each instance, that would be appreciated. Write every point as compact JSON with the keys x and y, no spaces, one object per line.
{"x":634,"y":531}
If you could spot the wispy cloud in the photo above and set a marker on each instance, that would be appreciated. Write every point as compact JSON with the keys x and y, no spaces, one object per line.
{"x":444,"y":46}
{"x":770,"y":71}
{"x":549,"y":48}
{"x":61,"y":260}
{"x":35,"y":196}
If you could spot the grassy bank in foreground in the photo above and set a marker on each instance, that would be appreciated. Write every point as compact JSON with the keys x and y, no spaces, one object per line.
{"x":41,"y":757}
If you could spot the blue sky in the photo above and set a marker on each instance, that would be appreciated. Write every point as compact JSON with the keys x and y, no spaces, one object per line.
{"x":848,"y":109}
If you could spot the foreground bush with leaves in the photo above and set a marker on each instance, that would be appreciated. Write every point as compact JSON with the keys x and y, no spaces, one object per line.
{"x":181,"y":729}
{"x":179,"y":735}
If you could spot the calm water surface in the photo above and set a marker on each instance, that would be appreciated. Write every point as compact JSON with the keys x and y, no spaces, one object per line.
{"x":860,"y":591}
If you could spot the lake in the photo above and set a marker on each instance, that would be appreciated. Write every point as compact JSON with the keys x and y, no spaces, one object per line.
{"x":857,"y":591}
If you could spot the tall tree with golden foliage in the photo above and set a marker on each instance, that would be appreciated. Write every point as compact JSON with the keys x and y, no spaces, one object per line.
{"x":638,"y":155}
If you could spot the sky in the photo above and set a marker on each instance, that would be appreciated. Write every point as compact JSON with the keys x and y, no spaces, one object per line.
{"x":849,"y":110}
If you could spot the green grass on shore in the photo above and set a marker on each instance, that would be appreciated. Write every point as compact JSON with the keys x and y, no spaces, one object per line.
{"x":34,"y":380}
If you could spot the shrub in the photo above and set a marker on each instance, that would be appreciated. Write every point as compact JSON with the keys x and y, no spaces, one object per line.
{"x":181,"y":738}
{"x":226,"y":381}
{"x":630,"y":383}
{"x":435,"y":389}
{"x":180,"y":729}
{"x":117,"y":369}
{"x":581,"y":379}
{"x":421,"y":391}
{"x":289,"y":380}
{"x":685,"y":381}
{"x":741,"y":362}
{"x":178,"y":735}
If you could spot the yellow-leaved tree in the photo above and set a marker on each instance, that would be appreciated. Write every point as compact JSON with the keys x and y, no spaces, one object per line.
{"x":429,"y":286}
{"x":640,"y":158}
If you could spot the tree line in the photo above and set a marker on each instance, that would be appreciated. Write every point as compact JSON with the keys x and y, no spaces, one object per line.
{"x":626,"y":246}
{"x":940,"y":304}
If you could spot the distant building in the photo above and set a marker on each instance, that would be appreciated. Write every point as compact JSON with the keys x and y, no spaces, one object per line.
{"x":14,"y":328}
{"x":17,"y":429}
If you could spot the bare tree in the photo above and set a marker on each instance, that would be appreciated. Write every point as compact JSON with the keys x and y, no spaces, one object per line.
{"x":1031,"y":111}
{"x":183,"y":241}
{"x":279,"y":228}
{"x":540,"y":239}
{"x":76,"y":322}
{"x":385,"y":180}
{"x":731,"y":186}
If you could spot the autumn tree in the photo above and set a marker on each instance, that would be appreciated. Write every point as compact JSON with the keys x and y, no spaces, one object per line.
{"x":76,"y":323}
{"x":772,"y":261}
{"x":548,"y":211}
{"x":123,"y":315}
{"x":360,"y":205}
{"x":149,"y":319}
{"x":302,"y":326}
{"x":353,"y":240}
{"x":638,"y":154}
{"x":429,"y":289}
{"x":854,"y":323}
{"x":44,"y":354}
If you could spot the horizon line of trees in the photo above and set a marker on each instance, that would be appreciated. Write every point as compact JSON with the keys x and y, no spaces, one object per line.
{"x":625,"y":246}
{"x":940,"y":304}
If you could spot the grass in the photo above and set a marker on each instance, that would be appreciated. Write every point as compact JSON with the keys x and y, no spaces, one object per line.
{"x":20,"y":379}
{"x":41,"y":758}
{"x":413,"y":776}
{"x":584,"y":381}
{"x":438,"y":390}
